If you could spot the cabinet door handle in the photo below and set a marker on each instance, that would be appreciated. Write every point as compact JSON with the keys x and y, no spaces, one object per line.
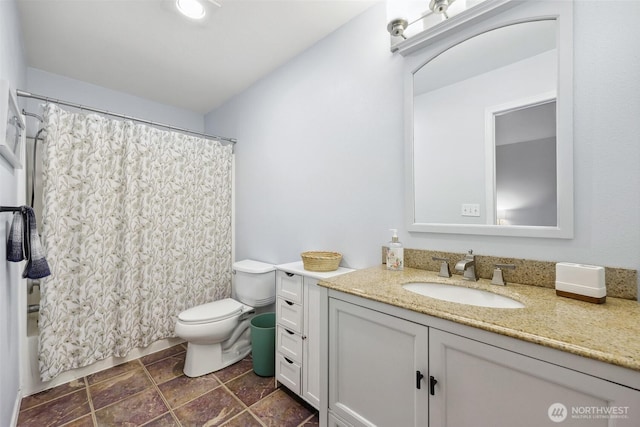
{"x":432,"y":385}
{"x":419,"y":378}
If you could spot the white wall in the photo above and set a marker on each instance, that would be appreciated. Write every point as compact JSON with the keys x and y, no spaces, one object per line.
{"x":72,"y":90}
{"x":319,"y":157}
{"x":13,"y":69}
{"x":320,"y":150}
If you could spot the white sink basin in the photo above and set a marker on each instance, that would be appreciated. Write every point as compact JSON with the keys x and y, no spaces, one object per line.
{"x":462,"y":295}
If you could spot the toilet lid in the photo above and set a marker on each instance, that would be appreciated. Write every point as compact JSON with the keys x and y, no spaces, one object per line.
{"x":212,"y":311}
{"x":253,"y":267}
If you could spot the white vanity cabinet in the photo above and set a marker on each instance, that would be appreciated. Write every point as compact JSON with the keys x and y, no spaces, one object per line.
{"x":298,"y":329}
{"x":377,"y":368}
{"x":393,"y":367}
{"x":480,"y":384}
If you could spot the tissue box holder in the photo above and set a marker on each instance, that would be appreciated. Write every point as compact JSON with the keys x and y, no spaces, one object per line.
{"x":581,"y":282}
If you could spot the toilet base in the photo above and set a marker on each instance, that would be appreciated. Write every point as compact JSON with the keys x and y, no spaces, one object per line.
{"x":203,"y":359}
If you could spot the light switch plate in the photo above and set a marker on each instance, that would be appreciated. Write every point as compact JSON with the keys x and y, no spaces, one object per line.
{"x":470,"y":209}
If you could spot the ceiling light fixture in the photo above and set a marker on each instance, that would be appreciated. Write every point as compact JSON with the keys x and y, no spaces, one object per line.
{"x":191,"y":8}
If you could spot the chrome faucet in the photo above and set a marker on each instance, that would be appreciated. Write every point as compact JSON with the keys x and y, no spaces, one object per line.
{"x":468,"y":266}
{"x":444,"y":267}
{"x":498,"y":276}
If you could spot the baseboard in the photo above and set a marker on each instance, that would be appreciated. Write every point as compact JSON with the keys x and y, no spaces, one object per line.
{"x":16,"y":409}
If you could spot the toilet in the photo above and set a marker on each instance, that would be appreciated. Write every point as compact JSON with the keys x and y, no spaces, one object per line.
{"x":218,"y":332}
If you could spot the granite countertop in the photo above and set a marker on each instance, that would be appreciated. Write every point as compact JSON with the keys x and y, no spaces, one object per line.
{"x":607,"y":332}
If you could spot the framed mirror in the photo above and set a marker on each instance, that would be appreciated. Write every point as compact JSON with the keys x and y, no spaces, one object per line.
{"x":489,"y":128}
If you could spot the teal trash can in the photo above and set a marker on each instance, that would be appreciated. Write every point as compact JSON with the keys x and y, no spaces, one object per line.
{"x":263,"y":344}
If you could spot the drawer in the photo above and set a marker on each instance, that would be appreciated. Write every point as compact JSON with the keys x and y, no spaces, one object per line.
{"x":289,"y":286}
{"x":289,"y":315}
{"x":288,"y":373}
{"x":289,"y":344}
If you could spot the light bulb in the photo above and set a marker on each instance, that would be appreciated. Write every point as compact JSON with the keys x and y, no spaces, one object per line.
{"x":191,"y":8}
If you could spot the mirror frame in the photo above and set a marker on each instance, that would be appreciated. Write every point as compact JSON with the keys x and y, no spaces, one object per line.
{"x":562,"y":13}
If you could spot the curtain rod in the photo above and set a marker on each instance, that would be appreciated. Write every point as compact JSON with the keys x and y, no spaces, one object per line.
{"x":25,"y":94}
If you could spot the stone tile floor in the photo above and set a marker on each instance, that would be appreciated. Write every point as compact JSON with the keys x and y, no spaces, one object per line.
{"x":153,"y":391}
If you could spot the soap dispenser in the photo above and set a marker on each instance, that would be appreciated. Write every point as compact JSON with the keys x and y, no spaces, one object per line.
{"x":395,"y":253}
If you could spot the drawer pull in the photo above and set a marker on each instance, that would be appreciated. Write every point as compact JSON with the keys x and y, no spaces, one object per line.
{"x":289,"y":332}
{"x":289,"y":274}
{"x":288,"y":302}
{"x":289,"y":361}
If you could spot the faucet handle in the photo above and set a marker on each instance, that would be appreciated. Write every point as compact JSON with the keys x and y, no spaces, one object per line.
{"x":444,"y":267}
{"x":498,"y":278}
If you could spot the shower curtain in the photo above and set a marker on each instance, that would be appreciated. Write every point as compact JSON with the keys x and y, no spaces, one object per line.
{"x":137,"y":227}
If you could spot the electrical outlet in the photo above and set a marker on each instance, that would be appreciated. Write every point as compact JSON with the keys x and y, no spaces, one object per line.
{"x":470,"y":209}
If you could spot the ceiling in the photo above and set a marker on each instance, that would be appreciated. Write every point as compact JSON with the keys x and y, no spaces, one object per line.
{"x":146,"y":48}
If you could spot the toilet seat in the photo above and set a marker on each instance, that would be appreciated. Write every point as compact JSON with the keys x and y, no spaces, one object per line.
{"x":211,"y":312}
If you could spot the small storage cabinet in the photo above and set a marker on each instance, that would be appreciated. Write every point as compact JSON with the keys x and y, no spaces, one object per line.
{"x":298,"y":329}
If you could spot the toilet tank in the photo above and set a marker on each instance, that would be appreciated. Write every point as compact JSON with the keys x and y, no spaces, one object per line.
{"x":255,"y":282}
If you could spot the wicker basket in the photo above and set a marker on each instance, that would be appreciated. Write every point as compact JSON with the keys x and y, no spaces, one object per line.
{"x":321,"y":261}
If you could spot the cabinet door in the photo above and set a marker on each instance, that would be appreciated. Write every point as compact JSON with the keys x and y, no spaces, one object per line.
{"x":373,"y":363}
{"x":482,"y":385}
{"x":311,"y":343}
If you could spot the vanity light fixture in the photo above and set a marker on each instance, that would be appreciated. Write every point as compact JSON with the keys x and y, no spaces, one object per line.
{"x":440,"y":6}
{"x":397,"y":26}
{"x":403,"y":13}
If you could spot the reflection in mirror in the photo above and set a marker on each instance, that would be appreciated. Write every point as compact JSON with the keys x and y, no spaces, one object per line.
{"x":458,"y":177}
{"x":525,"y":165}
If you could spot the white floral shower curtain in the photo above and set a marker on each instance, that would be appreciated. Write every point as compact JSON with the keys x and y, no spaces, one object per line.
{"x":137,"y":227}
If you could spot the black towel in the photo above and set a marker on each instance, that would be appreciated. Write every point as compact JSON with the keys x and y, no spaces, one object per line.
{"x":15,"y":250}
{"x":24,"y":243}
